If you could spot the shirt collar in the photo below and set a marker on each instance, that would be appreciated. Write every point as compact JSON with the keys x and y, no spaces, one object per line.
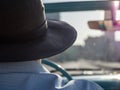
{"x":27,"y":66}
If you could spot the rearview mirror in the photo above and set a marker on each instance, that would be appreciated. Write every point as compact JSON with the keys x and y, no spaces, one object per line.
{"x":104,"y":25}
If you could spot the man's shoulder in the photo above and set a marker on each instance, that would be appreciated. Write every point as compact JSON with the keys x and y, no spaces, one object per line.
{"x":43,"y":81}
{"x":80,"y":84}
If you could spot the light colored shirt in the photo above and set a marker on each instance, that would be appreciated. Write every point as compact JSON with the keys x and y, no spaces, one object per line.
{"x":32,"y":76}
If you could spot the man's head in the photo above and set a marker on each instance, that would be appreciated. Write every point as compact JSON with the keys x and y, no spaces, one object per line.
{"x":26,"y":35}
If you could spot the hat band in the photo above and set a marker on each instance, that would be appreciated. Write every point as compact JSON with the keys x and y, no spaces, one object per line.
{"x":39,"y":32}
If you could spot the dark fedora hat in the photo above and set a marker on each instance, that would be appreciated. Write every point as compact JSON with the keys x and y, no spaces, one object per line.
{"x":26,"y":35}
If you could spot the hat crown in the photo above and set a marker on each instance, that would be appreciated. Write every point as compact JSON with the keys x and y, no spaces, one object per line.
{"x":19,"y":17}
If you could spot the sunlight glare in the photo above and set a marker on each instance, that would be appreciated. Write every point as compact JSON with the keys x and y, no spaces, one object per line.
{"x":117,"y":36}
{"x":118,"y":15}
{"x":116,"y":4}
{"x":115,"y":8}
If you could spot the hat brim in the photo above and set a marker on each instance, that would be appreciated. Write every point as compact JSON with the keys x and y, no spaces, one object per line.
{"x":59,"y":37}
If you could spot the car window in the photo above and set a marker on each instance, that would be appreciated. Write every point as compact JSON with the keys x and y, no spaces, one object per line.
{"x":93,"y":49}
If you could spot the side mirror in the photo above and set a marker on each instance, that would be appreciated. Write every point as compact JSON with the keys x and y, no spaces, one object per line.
{"x":105,"y":25}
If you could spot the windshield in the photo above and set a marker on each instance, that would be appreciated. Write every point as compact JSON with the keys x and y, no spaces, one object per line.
{"x":94,"y":50}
